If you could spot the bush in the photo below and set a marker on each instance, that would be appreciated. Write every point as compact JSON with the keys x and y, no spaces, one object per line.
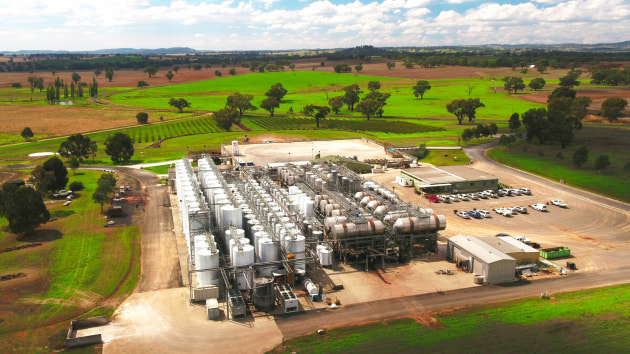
{"x":16,"y":85}
{"x":559,"y":155}
{"x":76,"y":186}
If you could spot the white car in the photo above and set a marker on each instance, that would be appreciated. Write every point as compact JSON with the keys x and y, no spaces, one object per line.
{"x":559,"y":203}
{"x":515,"y":192}
{"x":525,"y":191}
{"x":462,"y":197}
{"x":484,"y":213}
{"x":539,"y":207}
{"x":520,"y":209}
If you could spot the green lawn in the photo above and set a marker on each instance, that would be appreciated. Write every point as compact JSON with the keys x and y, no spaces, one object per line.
{"x":594,"y":321}
{"x":553,"y":162}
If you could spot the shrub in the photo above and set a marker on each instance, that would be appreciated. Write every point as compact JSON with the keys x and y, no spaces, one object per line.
{"x":142,"y":117}
{"x":559,"y":155}
{"x":76,"y":186}
{"x":16,"y":85}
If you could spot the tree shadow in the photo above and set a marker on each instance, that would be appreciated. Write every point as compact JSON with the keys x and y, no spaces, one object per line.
{"x":61,"y":213}
{"x":41,"y":235}
{"x":78,"y":174}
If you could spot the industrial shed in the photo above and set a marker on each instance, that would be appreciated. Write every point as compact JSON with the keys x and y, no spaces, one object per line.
{"x":449,"y":179}
{"x":523,"y":253}
{"x":480,"y":258}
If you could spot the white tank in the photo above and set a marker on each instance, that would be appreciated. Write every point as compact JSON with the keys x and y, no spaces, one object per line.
{"x":346,"y":230}
{"x":373,"y":204}
{"x":332,"y":220}
{"x":392,"y":217}
{"x":235,"y":147}
{"x":309,"y":208}
{"x":380,"y":210}
{"x":366,"y":200}
{"x":268,"y":253}
{"x":335,"y":212}
{"x":240,"y":233}
{"x":231,"y":216}
{"x":311,"y":288}
{"x":359,"y":195}
{"x":425,"y":224}
{"x":244,"y":257}
{"x":208,"y":259}
{"x":296,"y":246}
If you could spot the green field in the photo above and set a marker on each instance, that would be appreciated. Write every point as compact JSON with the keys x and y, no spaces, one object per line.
{"x":544,"y":160}
{"x":588,"y":321}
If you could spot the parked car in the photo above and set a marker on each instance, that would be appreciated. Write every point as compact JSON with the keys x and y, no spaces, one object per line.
{"x":462,"y":197}
{"x":539,"y":207}
{"x":463,"y":215}
{"x":515,"y":192}
{"x":434,"y":199}
{"x":474,"y":213}
{"x":484,"y":213}
{"x":522,"y":239}
{"x":525,"y":191}
{"x":520,"y":209}
{"x":473,"y":196}
{"x":454,"y":198}
{"x":482,"y":195}
{"x":559,"y":203}
{"x":502,"y":192}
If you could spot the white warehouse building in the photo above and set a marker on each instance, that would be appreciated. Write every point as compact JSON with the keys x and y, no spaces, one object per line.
{"x":481,"y":258}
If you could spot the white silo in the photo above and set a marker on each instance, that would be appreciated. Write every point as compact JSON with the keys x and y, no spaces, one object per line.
{"x":239,"y":233}
{"x":268,"y":253}
{"x":243,"y":256}
{"x":296,"y":245}
{"x":208,"y":258}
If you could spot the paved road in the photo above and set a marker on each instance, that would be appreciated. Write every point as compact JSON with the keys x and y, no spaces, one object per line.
{"x":404,"y":306}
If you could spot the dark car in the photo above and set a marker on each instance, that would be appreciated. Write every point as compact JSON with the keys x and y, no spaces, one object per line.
{"x":475,"y":214}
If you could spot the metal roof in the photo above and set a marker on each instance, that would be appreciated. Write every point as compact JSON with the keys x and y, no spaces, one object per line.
{"x":479,"y":249}
{"x":447,"y":174}
{"x":518,"y":244}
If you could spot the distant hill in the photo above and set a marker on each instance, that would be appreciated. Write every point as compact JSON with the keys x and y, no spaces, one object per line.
{"x":356,"y":52}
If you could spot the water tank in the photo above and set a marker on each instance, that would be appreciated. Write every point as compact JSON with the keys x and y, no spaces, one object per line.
{"x":208,"y":259}
{"x":296,"y":246}
{"x":311,"y":288}
{"x":323,"y":253}
{"x":264,"y":297}
{"x":244,"y":257}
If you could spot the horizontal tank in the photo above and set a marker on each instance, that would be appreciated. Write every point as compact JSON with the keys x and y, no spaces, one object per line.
{"x":348,"y":230}
{"x":413,"y":224}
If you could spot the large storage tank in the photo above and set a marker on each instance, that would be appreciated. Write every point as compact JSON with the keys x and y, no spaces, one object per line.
{"x":348,"y":230}
{"x":425,"y":224}
{"x":332,"y":220}
{"x":296,"y":245}
{"x":239,"y":233}
{"x":208,"y":258}
{"x":324,"y":255}
{"x":244,"y":257}
{"x":264,"y":295}
{"x":269,"y":252}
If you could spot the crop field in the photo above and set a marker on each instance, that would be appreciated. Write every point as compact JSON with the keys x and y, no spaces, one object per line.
{"x":586,"y":321}
{"x":373,"y":125}
{"x":159,"y":131}
{"x":79,"y":265}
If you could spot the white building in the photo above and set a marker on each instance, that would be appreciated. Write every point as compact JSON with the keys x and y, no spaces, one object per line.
{"x":480,"y":258}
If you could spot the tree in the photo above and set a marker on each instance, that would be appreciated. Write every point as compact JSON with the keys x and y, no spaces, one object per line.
{"x":151,"y":70}
{"x":269,"y":104}
{"x":217,"y":73}
{"x":368,"y":107}
{"x":76,"y":78}
{"x":196,"y":66}
{"x":580,"y":156}
{"x":77,"y":145}
{"x":291,"y":66}
{"x":570,"y":79}
{"x":142,"y":84}
{"x":380,"y":99}
{"x":119,"y":147}
{"x":390,"y":65}
{"x":73,"y":163}
{"x":537,"y":83}
{"x":358,"y":68}
{"x":142,"y":117}
{"x":232,"y":71}
{"x":515,"y":122}
{"x":612,"y":108}
{"x":52,"y":175}
{"x":342,"y":68}
{"x":109,"y":74}
{"x":175,"y":68}
{"x":241,"y":102}
{"x":456,"y":107}
{"x":100,"y":196}
{"x":536,"y":123}
{"x":97,"y":72}
{"x":23,"y":207}
{"x":336,"y":103}
{"x":169,"y":75}
{"x":107,"y":181}
{"x":562,"y":92}
{"x":16,"y":85}
{"x":374,"y":86}
{"x":420,"y":88}
{"x":602,"y":162}
{"x":351,"y":97}
{"x":276,"y":91}
{"x":33,"y":81}
{"x":179,"y":103}
{"x":317,"y":112}
{"x":513,"y":83}
{"x":470,"y":108}
{"x":225,"y":117}
{"x":27,"y":133}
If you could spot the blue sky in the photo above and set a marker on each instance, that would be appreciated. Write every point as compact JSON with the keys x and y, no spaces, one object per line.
{"x":301,"y":24}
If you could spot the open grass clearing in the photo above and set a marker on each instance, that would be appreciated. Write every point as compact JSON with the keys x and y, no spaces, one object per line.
{"x":553,"y":162}
{"x":584,"y":321}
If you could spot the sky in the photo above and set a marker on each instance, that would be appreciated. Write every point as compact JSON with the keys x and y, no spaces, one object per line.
{"x":221,"y":25}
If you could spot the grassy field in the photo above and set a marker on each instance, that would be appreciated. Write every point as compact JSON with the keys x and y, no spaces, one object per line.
{"x":81,"y":269}
{"x":551,"y":161}
{"x":586,"y":321}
